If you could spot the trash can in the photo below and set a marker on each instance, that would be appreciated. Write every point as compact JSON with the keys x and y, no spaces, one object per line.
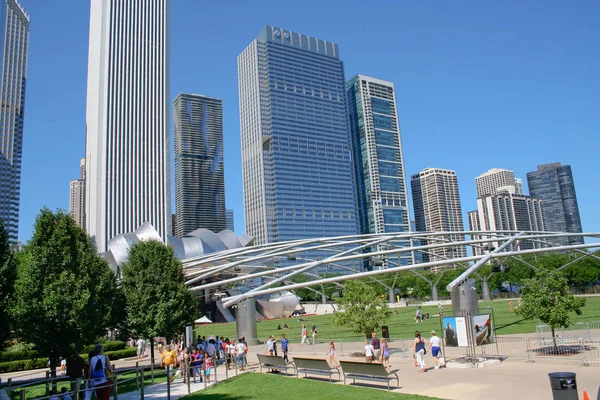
{"x":564,"y":385}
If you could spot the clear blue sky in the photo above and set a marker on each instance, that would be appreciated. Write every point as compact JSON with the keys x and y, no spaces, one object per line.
{"x":506,"y":84}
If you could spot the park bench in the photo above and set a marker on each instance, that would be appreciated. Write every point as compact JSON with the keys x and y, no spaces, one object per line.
{"x":272,"y":362}
{"x":314,"y":366}
{"x":370,"y":372}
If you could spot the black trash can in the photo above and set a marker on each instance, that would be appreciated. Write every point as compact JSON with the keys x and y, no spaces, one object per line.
{"x":564,"y":385}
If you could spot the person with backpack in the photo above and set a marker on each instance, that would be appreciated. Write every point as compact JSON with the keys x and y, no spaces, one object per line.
{"x":100,"y":372}
{"x":419,"y":350}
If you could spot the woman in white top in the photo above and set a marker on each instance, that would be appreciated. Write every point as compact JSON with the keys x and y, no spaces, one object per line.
{"x":369,"y":352}
{"x":99,"y":364}
{"x":435,"y":344}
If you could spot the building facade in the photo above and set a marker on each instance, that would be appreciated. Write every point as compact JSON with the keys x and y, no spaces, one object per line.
{"x":230,"y":219}
{"x":506,"y":211}
{"x":554,"y":185}
{"x":77,"y":196}
{"x":378,"y":160}
{"x":296,"y":158}
{"x":199,"y":175}
{"x":436,"y":202}
{"x":14,"y":29}
{"x":127,"y":116}
{"x":497,"y":179}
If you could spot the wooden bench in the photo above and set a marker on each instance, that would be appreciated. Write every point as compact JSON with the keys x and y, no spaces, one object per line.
{"x":272,"y":362}
{"x":315,"y":366}
{"x":370,"y":372}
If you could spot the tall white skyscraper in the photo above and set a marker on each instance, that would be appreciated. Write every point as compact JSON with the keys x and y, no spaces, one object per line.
{"x":14,"y":39}
{"x":127,"y":155}
{"x":498,"y":180}
{"x":77,"y":197}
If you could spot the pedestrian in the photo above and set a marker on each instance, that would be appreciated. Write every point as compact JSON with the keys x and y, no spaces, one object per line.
{"x":304,"y":335}
{"x":269,"y":345}
{"x":385,"y":354}
{"x":240,"y":351}
{"x":89,"y":384}
{"x":285,"y":347}
{"x":435,"y":344}
{"x":331,"y":353}
{"x":195,"y":364}
{"x":418,"y":315}
{"x":141,"y":348}
{"x":369,"y":352}
{"x":510,"y":305}
{"x":441,"y":309}
{"x":208,"y":365}
{"x":419,"y":350}
{"x":168,"y":360}
{"x":376,"y":346}
{"x":75,"y":370}
{"x":184,"y":360}
{"x":99,"y":371}
{"x":313,"y":330}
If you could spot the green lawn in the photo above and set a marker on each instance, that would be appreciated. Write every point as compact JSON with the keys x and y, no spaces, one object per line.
{"x":36,"y":391}
{"x":401,"y":325}
{"x":266,"y":387}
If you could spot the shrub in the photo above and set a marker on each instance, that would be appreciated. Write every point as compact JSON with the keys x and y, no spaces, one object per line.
{"x":23,"y":365}
{"x":18,"y":355}
{"x":108,"y":346}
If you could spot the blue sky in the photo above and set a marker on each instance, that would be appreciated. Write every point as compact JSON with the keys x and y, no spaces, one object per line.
{"x":508,"y":84}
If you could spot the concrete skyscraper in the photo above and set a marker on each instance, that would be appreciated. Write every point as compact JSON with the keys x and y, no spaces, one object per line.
{"x":199,"y":179}
{"x":378,"y":160}
{"x":436,"y":203}
{"x":128,"y":146}
{"x":77,"y":196}
{"x":497,"y":180}
{"x":554,"y":185}
{"x":14,"y":31}
{"x":296,"y":158}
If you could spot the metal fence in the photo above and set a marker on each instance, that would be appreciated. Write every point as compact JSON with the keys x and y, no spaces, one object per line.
{"x":577,"y":330}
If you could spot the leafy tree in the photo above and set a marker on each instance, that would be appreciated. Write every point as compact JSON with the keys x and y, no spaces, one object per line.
{"x":158,"y":303}
{"x":64,"y":289}
{"x":546,"y":297}
{"x":8,"y":275}
{"x":361,"y":309}
{"x":583,"y":272}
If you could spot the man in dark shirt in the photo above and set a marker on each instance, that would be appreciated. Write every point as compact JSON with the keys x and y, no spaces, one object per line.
{"x":376,"y":346}
{"x":76,"y":368}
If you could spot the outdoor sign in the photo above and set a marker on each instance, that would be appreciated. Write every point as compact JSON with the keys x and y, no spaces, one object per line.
{"x":482,"y":329}
{"x":455,"y":332}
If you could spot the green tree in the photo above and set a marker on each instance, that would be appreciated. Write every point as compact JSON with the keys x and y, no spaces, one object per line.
{"x":8,"y":275}
{"x":583,"y":272}
{"x":546,"y":297}
{"x":361,"y":309}
{"x":64,"y":289}
{"x":158,"y":303}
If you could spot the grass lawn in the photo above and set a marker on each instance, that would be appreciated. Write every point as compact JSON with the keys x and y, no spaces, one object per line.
{"x":36,"y":391}
{"x":400,"y":325}
{"x":266,"y":387}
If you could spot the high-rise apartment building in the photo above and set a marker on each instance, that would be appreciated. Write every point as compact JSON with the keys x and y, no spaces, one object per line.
{"x":77,"y":196}
{"x":230,"y":219}
{"x":128,"y":146}
{"x":14,"y":31}
{"x":437,"y":208}
{"x":296,"y":159}
{"x":199,"y":177}
{"x":378,"y":160}
{"x":554,"y":185}
{"x":507,"y":211}
{"x":497,"y":180}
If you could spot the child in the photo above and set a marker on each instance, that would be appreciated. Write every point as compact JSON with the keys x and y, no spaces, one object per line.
{"x":208,"y":364}
{"x":331,"y":353}
{"x":385,"y":354}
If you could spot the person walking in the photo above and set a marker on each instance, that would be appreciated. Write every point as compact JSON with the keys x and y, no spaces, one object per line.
{"x":195,"y":364}
{"x":99,"y":366}
{"x":168,"y":360}
{"x":141,"y":348}
{"x":369,"y":352}
{"x":285,"y":347}
{"x":419,"y":350}
{"x":441,"y":309}
{"x":331,"y":353}
{"x":376,"y":346}
{"x":76,"y":370}
{"x":385,"y":354}
{"x":240,"y":351}
{"x":313,"y":330}
{"x":418,"y":315}
{"x":304,"y":335}
{"x":435,"y":345}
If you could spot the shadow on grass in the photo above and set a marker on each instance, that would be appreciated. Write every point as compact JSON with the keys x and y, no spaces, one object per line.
{"x":500,"y":327}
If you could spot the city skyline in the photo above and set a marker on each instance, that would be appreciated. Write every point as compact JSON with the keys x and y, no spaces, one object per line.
{"x":421,"y":92}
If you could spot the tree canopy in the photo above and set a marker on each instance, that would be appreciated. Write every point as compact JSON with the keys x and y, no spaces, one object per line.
{"x":546,"y":297}
{"x":64,"y":289}
{"x":158,"y":303}
{"x":8,"y":275}
{"x":361,"y":308}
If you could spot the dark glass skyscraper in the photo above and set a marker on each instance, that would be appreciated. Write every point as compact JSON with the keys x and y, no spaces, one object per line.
{"x":199,"y":180}
{"x":296,"y":159}
{"x":554,"y":185}
{"x":14,"y":38}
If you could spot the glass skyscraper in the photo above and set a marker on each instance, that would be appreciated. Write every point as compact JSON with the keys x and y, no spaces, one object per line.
{"x":199,"y":179}
{"x":296,"y":157}
{"x":15,"y":44}
{"x":554,"y":185}
{"x":378,"y":159}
